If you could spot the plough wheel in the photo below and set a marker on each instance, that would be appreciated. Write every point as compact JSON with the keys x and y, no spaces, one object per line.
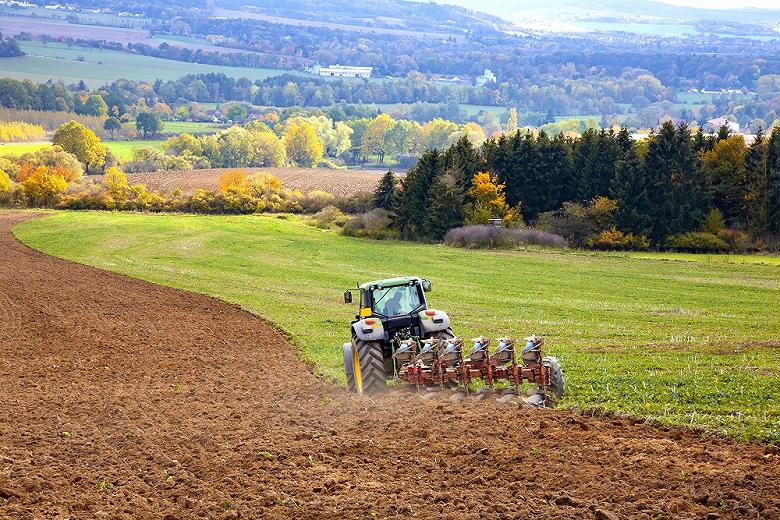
{"x":369,"y":367}
{"x":556,"y":388}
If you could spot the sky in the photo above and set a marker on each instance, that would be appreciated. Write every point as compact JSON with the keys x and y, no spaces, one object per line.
{"x":725,"y":4}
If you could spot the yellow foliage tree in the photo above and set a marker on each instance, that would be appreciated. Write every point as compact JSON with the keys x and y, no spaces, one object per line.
{"x":82,"y":142}
{"x":233,"y":180}
{"x":6,"y":186}
{"x":43,"y":185}
{"x":488,"y":201}
{"x":304,"y":147}
{"x":115,"y":182}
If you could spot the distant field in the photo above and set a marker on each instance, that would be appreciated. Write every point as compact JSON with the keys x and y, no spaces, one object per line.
{"x":98,"y":66}
{"x":121,"y":149}
{"x":190,"y":127}
{"x":338,"y":182}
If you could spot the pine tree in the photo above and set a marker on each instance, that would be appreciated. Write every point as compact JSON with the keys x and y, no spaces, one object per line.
{"x":384,"y":196}
{"x":756,"y":186}
{"x":462,"y":161}
{"x":444,"y":208}
{"x":412,"y":205}
{"x":631,"y":188}
{"x":773,"y":188}
{"x":724,"y":132}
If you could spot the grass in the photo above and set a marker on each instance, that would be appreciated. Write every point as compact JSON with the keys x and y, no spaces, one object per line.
{"x":100,"y":66}
{"x":121,"y":149}
{"x":686,"y":343}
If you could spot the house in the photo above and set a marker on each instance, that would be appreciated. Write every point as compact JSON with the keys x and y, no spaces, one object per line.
{"x":340,"y":71}
{"x":715,"y":124}
{"x":485,"y":78}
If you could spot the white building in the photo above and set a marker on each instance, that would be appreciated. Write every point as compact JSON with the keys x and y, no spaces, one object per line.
{"x":340,"y":71}
{"x":487,"y":77}
{"x":715,"y":124}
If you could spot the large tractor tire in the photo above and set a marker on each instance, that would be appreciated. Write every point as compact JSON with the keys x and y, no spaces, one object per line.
{"x":349,"y":370}
{"x":557,"y":385}
{"x":368,"y":366}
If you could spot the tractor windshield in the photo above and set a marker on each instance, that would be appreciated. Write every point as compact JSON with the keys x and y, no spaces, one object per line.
{"x":396,"y":301}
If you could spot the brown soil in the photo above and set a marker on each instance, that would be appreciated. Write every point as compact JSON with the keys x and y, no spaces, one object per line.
{"x":186,"y":407}
{"x":337,"y":182}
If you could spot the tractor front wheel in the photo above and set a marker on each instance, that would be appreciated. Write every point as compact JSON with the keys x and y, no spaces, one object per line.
{"x":368,"y":367}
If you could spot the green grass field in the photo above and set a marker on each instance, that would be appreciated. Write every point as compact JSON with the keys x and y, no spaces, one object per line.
{"x":190,"y":127}
{"x":690,"y":343}
{"x":100,"y":66}
{"x":121,"y":149}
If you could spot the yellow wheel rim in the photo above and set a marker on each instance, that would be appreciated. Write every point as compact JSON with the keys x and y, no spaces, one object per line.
{"x":356,"y":371}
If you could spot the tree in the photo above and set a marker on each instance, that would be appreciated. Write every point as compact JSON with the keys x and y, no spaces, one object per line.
{"x":43,"y":185}
{"x":82,"y":142}
{"x":111,"y":125}
{"x":412,"y":206}
{"x":631,"y":189}
{"x":386,"y":192}
{"x":6,"y":186}
{"x":115,"y":182}
{"x":375,"y":138}
{"x":236,"y":112}
{"x":487,"y":200}
{"x":445,"y":207}
{"x":724,"y":167}
{"x":267,"y":150}
{"x":148,"y":123}
{"x":303,"y":146}
{"x":95,"y":106}
{"x":511,"y":122}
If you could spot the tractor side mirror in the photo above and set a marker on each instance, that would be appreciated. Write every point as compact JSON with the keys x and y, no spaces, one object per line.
{"x":426,"y":285}
{"x":348,"y":297}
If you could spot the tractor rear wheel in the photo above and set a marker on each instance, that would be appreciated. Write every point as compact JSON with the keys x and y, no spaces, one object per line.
{"x":349,"y":370}
{"x":557,"y":385}
{"x":369,"y":366}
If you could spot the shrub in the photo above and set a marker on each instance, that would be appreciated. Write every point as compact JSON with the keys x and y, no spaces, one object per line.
{"x":738,"y":240}
{"x":697,"y":242}
{"x":372,"y":224}
{"x":54,"y":157}
{"x":43,"y":185}
{"x":233,"y":180}
{"x":86,"y":196}
{"x":578,"y":222}
{"x":713,"y":223}
{"x":490,"y":237}
{"x":9,"y":166}
{"x":613,"y":239}
{"x":328,"y":218}
{"x":6,"y":187}
{"x":357,"y":203}
{"x":316,"y":200}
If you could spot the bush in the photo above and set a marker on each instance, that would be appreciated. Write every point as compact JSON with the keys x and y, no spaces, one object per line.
{"x":357,"y":203}
{"x":372,"y":224}
{"x":316,"y":200}
{"x":6,"y":187}
{"x":697,"y":242}
{"x":578,"y":222}
{"x":490,"y":237}
{"x":737,"y":240}
{"x":613,"y":239}
{"x":329,"y":217}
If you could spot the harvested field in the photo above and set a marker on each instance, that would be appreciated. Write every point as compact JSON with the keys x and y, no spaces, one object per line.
{"x":337,"y":182}
{"x":124,"y":399}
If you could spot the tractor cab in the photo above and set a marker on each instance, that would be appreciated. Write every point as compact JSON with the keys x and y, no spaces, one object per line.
{"x":396,"y":302}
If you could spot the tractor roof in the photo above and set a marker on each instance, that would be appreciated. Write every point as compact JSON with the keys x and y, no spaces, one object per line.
{"x":390,"y":282}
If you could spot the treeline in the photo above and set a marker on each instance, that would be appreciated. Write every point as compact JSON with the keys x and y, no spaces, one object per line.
{"x":712,"y":192}
{"x":9,"y":48}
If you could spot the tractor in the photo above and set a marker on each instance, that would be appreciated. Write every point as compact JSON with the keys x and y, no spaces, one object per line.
{"x":395,"y":335}
{"x":390,"y":310}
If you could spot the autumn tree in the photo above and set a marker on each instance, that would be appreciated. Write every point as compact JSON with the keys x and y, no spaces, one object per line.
{"x":43,"y":185}
{"x":112,"y":124}
{"x":374,"y":140}
{"x":724,"y":167}
{"x":303,"y":146}
{"x":116,"y":185}
{"x":6,"y":186}
{"x":233,"y":180}
{"x":487,"y":201}
{"x":82,"y":142}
